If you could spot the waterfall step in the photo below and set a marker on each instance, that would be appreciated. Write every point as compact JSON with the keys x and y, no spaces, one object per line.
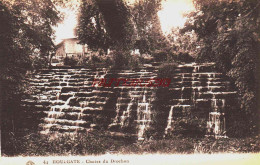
{"x":68,"y":101}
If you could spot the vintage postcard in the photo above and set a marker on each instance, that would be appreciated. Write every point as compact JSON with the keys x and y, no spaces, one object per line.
{"x":129,"y":82}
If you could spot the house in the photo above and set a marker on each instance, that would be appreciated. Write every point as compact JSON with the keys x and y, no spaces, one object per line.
{"x":71,"y":48}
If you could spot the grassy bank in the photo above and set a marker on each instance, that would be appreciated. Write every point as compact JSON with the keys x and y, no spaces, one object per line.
{"x":96,"y":143}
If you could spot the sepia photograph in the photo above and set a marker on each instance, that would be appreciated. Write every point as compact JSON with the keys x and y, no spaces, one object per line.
{"x":129,"y":82}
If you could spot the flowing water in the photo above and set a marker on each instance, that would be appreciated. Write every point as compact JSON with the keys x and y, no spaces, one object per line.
{"x":68,"y":101}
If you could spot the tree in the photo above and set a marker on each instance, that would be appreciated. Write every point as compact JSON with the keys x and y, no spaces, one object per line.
{"x":228,"y":33}
{"x":113,"y":23}
{"x":183,"y":42}
{"x":104,"y":24}
{"x":25,"y":34}
{"x":147,"y":25}
{"x":91,"y":29}
{"x":37,"y":17}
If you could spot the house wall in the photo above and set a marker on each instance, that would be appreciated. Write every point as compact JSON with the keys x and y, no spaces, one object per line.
{"x":72,"y":47}
{"x":60,"y":52}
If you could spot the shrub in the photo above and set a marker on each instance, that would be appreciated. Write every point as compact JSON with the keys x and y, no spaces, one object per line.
{"x":108,"y":61}
{"x":124,"y":60}
{"x":39,"y":62}
{"x":160,"y":56}
{"x":166,"y":70}
{"x":96,"y":60}
{"x":116,"y":60}
{"x":185,"y":57}
{"x":120,"y":59}
{"x":147,"y":58}
{"x":84,"y":60}
{"x":30,"y":143}
{"x":55,"y":60}
{"x":34,"y":144}
{"x":70,"y":61}
{"x":135,"y":61}
{"x":189,"y":127}
{"x":182,"y":57}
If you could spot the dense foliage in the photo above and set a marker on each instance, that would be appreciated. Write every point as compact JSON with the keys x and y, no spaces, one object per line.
{"x":26,"y":43}
{"x":183,"y":42}
{"x":147,"y":26}
{"x":91,"y":29}
{"x":105,"y":24}
{"x":98,"y":142}
{"x":114,"y":24}
{"x":121,"y":27}
{"x":228,"y":34}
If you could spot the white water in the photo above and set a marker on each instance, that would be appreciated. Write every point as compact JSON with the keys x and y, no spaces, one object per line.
{"x":169,"y":121}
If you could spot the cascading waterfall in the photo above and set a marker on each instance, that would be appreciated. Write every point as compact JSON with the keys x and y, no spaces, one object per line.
{"x":216,"y":125}
{"x":216,"y":122}
{"x":116,"y":119}
{"x":143,"y":117}
{"x":55,"y":112}
{"x":127,"y":105}
{"x":70,"y":103}
{"x":72,"y":106}
{"x":169,"y":121}
{"x":205,"y":93}
{"x":122,"y":119}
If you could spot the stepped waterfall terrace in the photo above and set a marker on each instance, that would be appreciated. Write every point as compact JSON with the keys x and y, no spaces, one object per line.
{"x":196,"y":103}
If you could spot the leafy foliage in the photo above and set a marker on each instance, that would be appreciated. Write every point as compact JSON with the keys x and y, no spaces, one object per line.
{"x":124,"y":60}
{"x":25,"y":37}
{"x":33,"y":144}
{"x":118,"y":22}
{"x":114,"y":24}
{"x":183,"y":57}
{"x":28,"y":143}
{"x":228,"y":34}
{"x":91,"y":29}
{"x":70,"y":61}
{"x":105,"y":24}
{"x":95,"y":60}
{"x":147,"y":26}
{"x":160,"y":56}
{"x":183,"y":42}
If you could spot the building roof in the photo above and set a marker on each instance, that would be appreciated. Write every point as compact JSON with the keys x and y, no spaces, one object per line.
{"x":66,"y":39}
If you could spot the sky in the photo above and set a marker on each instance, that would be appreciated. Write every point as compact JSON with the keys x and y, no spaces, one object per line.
{"x":170,"y":16}
{"x":66,"y":28}
{"x":172,"y":12}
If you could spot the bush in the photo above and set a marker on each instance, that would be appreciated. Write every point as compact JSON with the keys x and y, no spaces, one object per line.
{"x":108,"y":61}
{"x":168,"y":55}
{"x":84,"y":60}
{"x":182,"y":58}
{"x":29,"y":143}
{"x":39,"y":62}
{"x":136,"y":61}
{"x":70,"y":61}
{"x":116,"y":60}
{"x":96,"y":60}
{"x":147,"y":58}
{"x":166,"y":70}
{"x":160,"y":56}
{"x":34,"y":144}
{"x":190,"y":126}
{"x":55,"y":60}
{"x":121,"y":59}
{"x":124,"y":60}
